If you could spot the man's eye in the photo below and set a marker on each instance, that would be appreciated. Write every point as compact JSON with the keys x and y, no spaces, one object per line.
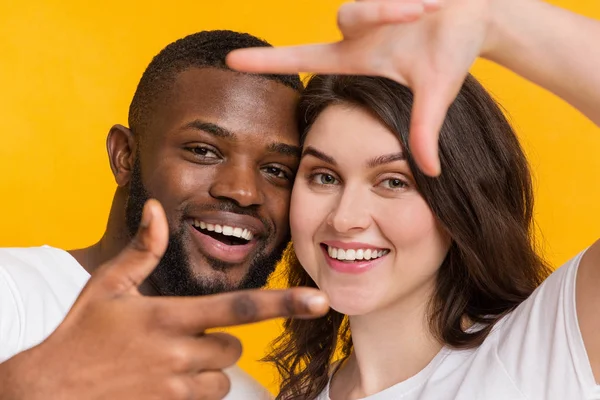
{"x":277,"y":172}
{"x":203,"y":152}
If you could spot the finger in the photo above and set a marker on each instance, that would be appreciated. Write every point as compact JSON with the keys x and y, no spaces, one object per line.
{"x":432,"y":5}
{"x":429,"y":5}
{"x":215,"y":351}
{"x":357,"y":17}
{"x":431,"y":103}
{"x":197,"y":314}
{"x":319,"y":58}
{"x":210,"y":385}
{"x":133,"y":265}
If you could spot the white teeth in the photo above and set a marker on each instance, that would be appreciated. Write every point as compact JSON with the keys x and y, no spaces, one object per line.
{"x":226,"y":230}
{"x":350,"y":255}
{"x":355,"y":254}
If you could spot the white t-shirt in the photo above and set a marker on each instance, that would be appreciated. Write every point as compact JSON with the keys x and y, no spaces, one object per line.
{"x":534,"y":353}
{"x":39,"y":285}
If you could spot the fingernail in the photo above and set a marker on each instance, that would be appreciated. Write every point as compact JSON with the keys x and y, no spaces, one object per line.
{"x":146,"y":216}
{"x":432,"y":3}
{"x":317,"y":304}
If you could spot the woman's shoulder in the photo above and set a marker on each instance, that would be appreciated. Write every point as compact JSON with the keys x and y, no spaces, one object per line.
{"x":542,"y":337}
{"x":536,"y":351}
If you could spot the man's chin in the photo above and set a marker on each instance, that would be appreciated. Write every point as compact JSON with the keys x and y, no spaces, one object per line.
{"x":187,"y":272}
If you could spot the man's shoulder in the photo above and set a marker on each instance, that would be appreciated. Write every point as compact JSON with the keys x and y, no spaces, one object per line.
{"x":37,"y":287}
{"x":25,"y":254}
{"x":244,"y":387}
{"x":34,"y":263}
{"x":41,"y":272}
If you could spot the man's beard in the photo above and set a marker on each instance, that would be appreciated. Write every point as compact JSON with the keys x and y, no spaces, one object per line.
{"x":173,"y":275}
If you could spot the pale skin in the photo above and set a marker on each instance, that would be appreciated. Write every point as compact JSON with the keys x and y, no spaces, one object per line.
{"x":355,"y":188}
{"x":551,"y":47}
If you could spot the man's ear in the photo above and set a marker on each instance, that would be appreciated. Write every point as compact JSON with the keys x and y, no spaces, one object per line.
{"x":121,"y":147}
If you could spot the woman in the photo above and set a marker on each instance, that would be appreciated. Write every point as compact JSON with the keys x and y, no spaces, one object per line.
{"x":433,"y":281}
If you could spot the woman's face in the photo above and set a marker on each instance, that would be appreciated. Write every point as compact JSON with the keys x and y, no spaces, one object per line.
{"x":359,"y":226}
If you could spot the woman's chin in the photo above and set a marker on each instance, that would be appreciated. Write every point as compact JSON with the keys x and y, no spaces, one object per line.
{"x":351,"y":305}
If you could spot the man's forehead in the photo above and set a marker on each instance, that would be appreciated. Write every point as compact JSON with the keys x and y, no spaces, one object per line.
{"x":218,"y":86}
{"x":239,"y":103}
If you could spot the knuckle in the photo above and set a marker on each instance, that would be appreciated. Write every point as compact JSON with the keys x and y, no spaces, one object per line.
{"x":342,"y":17}
{"x":138,"y":245}
{"x":112,"y":282}
{"x":179,"y":359}
{"x":289,"y":305}
{"x":220,"y":350}
{"x":230,"y":345}
{"x":245,"y":309}
{"x":212,"y":385}
{"x":222,"y":384}
{"x":178,"y":388}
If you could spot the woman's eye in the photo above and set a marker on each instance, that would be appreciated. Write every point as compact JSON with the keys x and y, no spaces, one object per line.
{"x":324,"y":179}
{"x":394,"y":183}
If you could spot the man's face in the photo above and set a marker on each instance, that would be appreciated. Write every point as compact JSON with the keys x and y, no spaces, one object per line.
{"x":220,"y":153}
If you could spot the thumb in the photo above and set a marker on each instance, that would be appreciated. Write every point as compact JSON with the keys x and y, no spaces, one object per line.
{"x":431,"y":103}
{"x":134,"y":263}
{"x":355,"y":18}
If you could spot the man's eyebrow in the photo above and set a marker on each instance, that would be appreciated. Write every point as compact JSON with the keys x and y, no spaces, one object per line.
{"x":211,"y":128}
{"x":311,"y":151}
{"x":385,"y":159}
{"x":285,"y":149}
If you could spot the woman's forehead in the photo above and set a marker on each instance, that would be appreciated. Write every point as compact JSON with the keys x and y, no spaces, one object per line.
{"x":351,"y":130}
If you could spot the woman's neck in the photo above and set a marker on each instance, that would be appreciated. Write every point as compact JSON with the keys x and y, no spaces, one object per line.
{"x":390,"y":346}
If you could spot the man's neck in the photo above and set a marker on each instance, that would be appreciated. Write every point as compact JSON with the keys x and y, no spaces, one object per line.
{"x":115,"y":239}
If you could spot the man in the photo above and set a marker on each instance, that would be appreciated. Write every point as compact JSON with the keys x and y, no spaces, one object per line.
{"x":218,"y":149}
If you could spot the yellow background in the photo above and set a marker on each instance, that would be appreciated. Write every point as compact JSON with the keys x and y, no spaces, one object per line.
{"x":68,"y":70}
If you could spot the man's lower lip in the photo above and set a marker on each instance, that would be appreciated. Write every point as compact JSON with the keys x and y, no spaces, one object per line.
{"x":353,"y":267}
{"x":218,"y":250}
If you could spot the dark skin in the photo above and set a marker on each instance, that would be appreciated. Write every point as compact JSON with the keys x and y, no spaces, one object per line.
{"x":118,"y":344}
{"x":220,"y":137}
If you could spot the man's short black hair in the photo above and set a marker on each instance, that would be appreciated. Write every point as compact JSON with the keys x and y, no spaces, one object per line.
{"x":206,"y":49}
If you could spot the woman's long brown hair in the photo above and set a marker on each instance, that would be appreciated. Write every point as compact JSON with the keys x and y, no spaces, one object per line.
{"x":483,"y":199}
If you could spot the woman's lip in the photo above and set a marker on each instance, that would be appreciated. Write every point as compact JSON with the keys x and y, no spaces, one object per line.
{"x":351,"y":245}
{"x":350,"y":267}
